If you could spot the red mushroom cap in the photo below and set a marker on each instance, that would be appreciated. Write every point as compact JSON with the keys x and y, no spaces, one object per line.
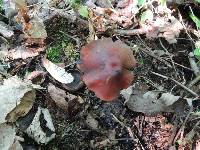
{"x":105,"y":66}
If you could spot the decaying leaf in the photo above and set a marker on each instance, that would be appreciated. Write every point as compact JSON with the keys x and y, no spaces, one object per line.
{"x":58,"y":95}
{"x":16,"y":146}
{"x":57,"y":72}
{"x":75,"y":105}
{"x":105,"y":18}
{"x":37,"y":132}
{"x":23,"y":108}
{"x":11,"y":92}
{"x":37,"y":77}
{"x":150,"y":102}
{"x":36,"y":33}
{"x":21,"y":52}
{"x":7,"y":136}
{"x":5,"y":31}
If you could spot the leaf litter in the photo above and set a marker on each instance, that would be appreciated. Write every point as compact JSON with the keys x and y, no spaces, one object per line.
{"x":159,"y":114}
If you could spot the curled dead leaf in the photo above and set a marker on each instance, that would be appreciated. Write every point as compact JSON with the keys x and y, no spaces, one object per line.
{"x":57,"y":72}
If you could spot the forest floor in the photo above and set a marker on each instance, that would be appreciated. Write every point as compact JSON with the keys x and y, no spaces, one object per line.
{"x":40,"y":44}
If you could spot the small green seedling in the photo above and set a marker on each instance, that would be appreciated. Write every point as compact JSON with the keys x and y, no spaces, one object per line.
{"x":197,"y":54}
{"x":83,"y":11}
{"x":195,"y":19}
{"x":141,"y":3}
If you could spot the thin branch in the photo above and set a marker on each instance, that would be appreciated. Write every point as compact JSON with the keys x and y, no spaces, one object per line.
{"x":178,"y":83}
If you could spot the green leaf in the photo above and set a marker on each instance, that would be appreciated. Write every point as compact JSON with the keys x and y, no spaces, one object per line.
{"x":197,"y":53}
{"x":148,"y":14}
{"x":195,"y":19}
{"x":198,"y":1}
{"x":141,"y":2}
{"x":83,"y":11}
{"x":163,"y":2}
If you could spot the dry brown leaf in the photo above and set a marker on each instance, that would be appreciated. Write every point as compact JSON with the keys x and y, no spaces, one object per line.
{"x":105,"y":18}
{"x":23,"y":108}
{"x":36,"y":32}
{"x":158,"y":130}
{"x":37,"y":77}
{"x":58,"y":95}
{"x":21,"y":52}
{"x":168,"y":28}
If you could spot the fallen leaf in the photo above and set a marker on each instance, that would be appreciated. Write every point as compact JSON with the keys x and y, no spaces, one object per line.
{"x":37,"y":77}
{"x":11,"y":92}
{"x":21,"y":52}
{"x":58,"y":95}
{"x":16,"y":146}
{"x":23,"y":108}
{"x":83,"y":11}
{"x":7,"y":136}
{"x":168,"y":28}
{"x":41,"y":132}
{"x":57,"y":73}
{"x":37,"y":29}
{"x":75,"y":105}
{"x":150,"y":102}
{"x":5,"y":31}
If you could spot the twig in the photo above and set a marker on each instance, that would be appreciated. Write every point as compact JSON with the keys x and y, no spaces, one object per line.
{"x":129,"y":130}
{"x":181,"y":20}
{"x":157,"y":57}
{"x":142,"y":30}
{"x":183,"y":125}
{"x":148,"y":52}
{"x":168,"y":54}
{"x":193,"y":82}
{"x":183,"y":86}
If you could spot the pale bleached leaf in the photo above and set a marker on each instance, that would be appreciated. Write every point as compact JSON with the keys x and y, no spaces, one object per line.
{"x":11,"y":92}
{"x":35,"y":130}
{"x":21,"y":52}
{"x":57,"y":72}
{"x":7,"y":136}
{"x":5,"y":31}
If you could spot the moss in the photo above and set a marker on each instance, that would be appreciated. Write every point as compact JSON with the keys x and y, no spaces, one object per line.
{"x":62,"y":51}
{"x":54,"y":53}
{"x":1,"y":5}
{"x":70,"y":52}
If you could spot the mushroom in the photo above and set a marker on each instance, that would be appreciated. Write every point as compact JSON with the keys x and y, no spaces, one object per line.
{"x":105,"y":65}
